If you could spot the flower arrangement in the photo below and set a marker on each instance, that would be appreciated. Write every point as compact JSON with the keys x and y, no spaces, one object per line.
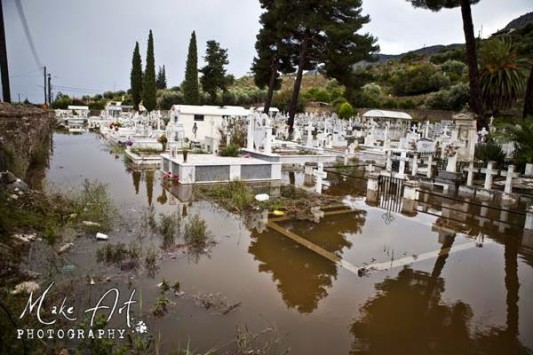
{"x":450,"y":150}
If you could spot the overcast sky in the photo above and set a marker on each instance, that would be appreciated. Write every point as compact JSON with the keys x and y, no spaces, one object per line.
{"x":88,"y":45}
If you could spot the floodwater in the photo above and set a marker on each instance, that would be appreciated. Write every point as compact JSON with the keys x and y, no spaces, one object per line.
{"x":448,"y":280}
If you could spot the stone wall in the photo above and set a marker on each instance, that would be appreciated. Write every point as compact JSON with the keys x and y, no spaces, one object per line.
{"x":25,"y":138}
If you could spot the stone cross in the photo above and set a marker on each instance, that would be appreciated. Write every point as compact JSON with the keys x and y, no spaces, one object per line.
{"x":388,"y":166}
{"x":414,"y":129}
{"x":509,"y":175}
{"x":529,"y":170}
{"x":489,"y":171}
{"x":426,"y":130}
{"x":414,"y":169}
{"x":401,"y":170}
{"x":471,"y":170}
{"x":430,"y":167}
{"x":445,"y":131}
{"x":309,"y":134}
{"x":268,"y":140}
{"x":483,"y":135}
{"x":320,"y":175}
{"x":250,"y":133}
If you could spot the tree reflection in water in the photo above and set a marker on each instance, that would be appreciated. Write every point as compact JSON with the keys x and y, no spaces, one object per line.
{"x":408,"y":316}
{"x":302,"y":276}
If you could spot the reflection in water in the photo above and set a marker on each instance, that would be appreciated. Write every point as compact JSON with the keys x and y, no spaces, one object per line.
{"x":399,"y":321}
{"x":303,"y":276}
{"x":408,"y":316}
{"x":136,"y":180}
{"x":149,"y":185}
{"x":162,"y":199}
{"x":346,"y":181}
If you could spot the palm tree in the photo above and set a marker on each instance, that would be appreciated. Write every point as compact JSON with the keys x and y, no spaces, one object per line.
{"x":470,"y":42}
{"x":502,"y":75}
{"x":528,"y":100}
{"x":522,"y":136}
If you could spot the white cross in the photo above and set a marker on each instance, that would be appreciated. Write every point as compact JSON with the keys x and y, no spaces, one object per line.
{"x":510,"y":175}
{"x":483,"y":135}
{"x":471,"y":170}
{"x":489,"y":171}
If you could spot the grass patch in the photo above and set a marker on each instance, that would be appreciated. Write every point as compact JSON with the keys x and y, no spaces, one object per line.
{"x":237,"y":196}
{"x":160,"y":308}
{"x":116,"y":253}
{"x":168,"y":227}
{"x":196,"y":234}
{"x":93,"y":203}
{"x":146,"y":151}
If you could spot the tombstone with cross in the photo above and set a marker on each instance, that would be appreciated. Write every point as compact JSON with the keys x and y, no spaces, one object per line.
{"x":483,"y":135}
{"x":509,"y":176}
{"x":489,"y":172}
{"x":401,"y":170}
{"x":320,"y":174}
{"x":471,"y":171}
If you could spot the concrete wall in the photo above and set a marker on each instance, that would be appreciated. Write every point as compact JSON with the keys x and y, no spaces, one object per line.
{"x":25,"y":138}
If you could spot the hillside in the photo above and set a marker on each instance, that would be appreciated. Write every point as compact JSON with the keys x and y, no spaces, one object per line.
{"x":520,"y":22}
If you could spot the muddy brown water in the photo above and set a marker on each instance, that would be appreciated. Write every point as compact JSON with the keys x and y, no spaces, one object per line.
{"x":415,"y":286}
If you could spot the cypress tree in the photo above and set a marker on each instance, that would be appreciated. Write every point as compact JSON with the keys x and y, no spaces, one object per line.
{"x":214,"y":73}
{"x":136,"y":77}
{"x":149,"y":84}
{"x":191,"y":91}
{"x":161,"y":80}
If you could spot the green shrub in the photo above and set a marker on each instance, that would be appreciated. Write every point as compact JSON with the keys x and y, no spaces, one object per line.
{"x":490,"y":151}
{"x":345,"y":111}
{"x":231,"y":150}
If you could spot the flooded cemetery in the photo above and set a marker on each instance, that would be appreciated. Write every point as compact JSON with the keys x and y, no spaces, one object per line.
{"x":317,"y":245}
{"x":309,"y":177}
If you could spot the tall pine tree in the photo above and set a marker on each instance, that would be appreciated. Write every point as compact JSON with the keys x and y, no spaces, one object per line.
{"x":273,"y":55}
{"x":476,"y":103}
{"x":325,"y":32}
{"x":149,"y":84}
{"x":136,"y":77}
{"x":161,"y":79}
{"x":191,"y":90}
{"x":214,"y":73}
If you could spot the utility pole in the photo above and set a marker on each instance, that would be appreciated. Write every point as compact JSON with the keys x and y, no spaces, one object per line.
{"x":45,"y":86}
{"x":4,"y":71}
{"x":49,"y":89}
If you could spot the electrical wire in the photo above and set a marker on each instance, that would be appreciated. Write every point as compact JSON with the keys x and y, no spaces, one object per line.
{"x":28,"y":34}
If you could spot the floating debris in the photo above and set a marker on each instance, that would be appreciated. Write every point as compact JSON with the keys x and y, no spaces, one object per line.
{"x":101,"y":236}
{"x":65,"y":247}
{"x":262,"y":197}
{"x":26,"y":286}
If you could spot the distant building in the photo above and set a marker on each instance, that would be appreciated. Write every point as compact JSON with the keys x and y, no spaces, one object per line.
{"x":115,"y":109}
{"x":199,"y":122}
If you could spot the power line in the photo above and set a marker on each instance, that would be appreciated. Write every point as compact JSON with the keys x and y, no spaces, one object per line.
{"x":27,"y":32}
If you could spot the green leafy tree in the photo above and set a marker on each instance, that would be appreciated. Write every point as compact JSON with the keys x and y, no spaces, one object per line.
{"x":191,"y":91}
{"x":273,"y":54}
{"x":136,"y":77}
{"x":476,"y":103}
{"x":161,"y":79}
{"x":502,"y":76}
{"x":61,"y":101}
{"x":325,"y":32}
{"x":213,"y":73}
{"x":149,"y":84}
